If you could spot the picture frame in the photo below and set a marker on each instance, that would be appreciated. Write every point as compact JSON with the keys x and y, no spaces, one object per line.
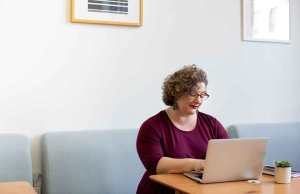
{"x":109,"y":12}
{"x":266,"y":20}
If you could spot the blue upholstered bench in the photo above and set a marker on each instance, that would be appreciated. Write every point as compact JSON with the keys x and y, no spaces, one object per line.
{"x":15,"y":158}
{"x":106,"y":162}
{"x":91,"y":162}
{"x":284,"y":140}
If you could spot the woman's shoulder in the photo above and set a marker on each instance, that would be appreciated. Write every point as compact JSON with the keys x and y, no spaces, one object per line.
{"x":153,"y":125}
{"x":155,"y":119}
{"x":213,"y":124}
{"x":206,"y":116}
{"x":208,"y":119}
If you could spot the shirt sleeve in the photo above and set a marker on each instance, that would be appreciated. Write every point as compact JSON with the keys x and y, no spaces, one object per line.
{"x":220,"y":131}
{"x":149,"y":147}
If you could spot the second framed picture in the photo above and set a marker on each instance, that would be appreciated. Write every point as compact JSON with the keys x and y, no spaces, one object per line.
{"x":111,"y":12}
{"x":266,"y":20}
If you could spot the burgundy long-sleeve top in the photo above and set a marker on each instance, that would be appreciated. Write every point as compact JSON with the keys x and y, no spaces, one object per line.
{"x":159,"y":137}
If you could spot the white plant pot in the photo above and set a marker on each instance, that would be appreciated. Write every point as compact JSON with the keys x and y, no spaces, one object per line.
{"x":283,"y":175}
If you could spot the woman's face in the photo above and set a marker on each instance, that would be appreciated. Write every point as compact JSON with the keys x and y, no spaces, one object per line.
{"x":189,"y":104}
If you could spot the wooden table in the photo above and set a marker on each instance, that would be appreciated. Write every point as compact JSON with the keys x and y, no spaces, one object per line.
{"x":16,"y":188}
{"x":182,"y":184}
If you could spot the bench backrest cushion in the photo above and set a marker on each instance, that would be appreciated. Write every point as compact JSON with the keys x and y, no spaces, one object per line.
{"x":91,"y":162}
{"x":284,"y":140}
{"x":15,"y":158}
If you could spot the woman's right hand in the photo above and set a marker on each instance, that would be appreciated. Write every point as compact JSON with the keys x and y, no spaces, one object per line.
{"x":198,"y":164}
{"x":172,"y":165}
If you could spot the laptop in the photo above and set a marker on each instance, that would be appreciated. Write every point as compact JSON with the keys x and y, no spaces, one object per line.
{"x":232,"y":160}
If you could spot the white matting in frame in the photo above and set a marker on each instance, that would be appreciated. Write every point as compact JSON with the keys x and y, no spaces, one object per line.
{"x":111,"y":12}
{"x":266,"y":20}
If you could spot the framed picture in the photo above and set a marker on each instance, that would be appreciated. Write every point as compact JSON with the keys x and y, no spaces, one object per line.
{"x":111,"y":12}
{"x":266,"y":20}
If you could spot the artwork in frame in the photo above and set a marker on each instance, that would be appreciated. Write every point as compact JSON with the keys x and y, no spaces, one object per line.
{"x":111,"y":12}
{"x":266,"y":20}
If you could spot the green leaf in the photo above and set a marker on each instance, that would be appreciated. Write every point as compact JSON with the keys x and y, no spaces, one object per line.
{"x":282,"y":163}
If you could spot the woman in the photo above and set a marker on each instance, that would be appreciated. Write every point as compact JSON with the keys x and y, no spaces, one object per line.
{"x":175,"y":140}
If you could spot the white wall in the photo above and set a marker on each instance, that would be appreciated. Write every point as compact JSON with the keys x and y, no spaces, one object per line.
{"x":55,"y":75}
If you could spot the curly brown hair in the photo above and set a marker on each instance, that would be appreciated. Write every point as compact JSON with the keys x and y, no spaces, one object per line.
{"x":182,"y":82}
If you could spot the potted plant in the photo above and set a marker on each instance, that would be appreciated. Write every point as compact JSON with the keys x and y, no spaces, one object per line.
{"x":283,"y":171}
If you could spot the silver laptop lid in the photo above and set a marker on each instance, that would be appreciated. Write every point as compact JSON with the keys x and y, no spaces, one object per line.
{"x":234,"y":159}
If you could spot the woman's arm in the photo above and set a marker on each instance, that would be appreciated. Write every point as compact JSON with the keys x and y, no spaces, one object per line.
{"x":172,"y":165}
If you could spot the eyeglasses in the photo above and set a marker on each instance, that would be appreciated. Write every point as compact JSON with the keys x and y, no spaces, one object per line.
{"x":203,"y":96}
